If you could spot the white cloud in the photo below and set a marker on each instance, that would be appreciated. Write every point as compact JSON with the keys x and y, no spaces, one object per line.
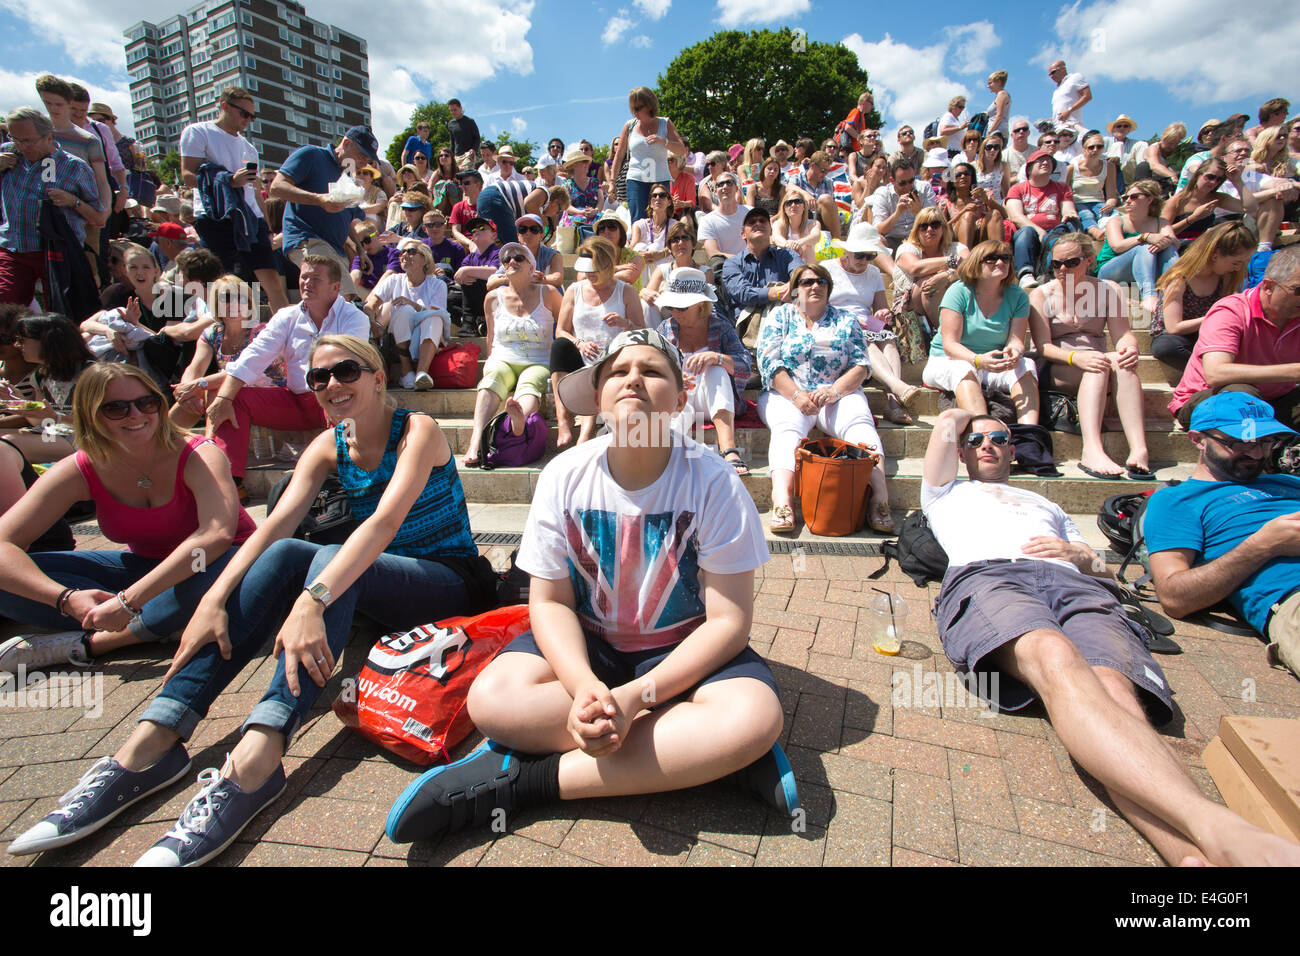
{"x":909,"y":83}
{"x":517,"y":125}
{"x":654,"y":9}
{"x":740,"y":13}
{"x":643,"y":41}
{"x":1199,"y":50}
{"x":969,"y":46}
{"x":91,"y":33}
{"x":19,"y":89}
{"x":616,"y":27}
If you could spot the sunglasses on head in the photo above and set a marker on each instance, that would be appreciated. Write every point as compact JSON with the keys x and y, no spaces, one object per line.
{"x":976,"y":439}
{"x":522,"y":230}
{"x":995,"y":257}
{"x":346,"y":372}
{"x":1069,"y":263}
{"x":120,"y":408}
{"x":515,"y":257}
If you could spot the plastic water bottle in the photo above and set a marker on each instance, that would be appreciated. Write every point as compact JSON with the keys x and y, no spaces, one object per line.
{"x":260,"y":444}
{"x":887,"y":611}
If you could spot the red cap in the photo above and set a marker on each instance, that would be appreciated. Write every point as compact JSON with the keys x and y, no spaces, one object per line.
{"x":1040,"y":154}
{"x":170,"y":230}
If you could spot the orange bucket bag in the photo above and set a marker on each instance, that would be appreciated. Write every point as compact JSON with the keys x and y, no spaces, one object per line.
{"x":832,"y":481}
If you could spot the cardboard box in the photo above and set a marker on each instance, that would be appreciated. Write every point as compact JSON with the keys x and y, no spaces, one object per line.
{"x":1268,"y":750}
{"x":1240,"y":793}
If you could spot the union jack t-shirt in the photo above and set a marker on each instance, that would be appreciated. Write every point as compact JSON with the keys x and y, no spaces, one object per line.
{"x":634,"y":557}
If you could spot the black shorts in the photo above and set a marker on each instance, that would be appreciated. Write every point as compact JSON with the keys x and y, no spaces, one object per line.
{"x":615,"y":667}
{"x":219,"y":237}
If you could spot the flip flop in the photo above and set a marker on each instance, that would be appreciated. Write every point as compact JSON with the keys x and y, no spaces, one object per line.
{"x":782,"y":521}
{"x":1100,"y":474}
{"x":1139,"y":474}
{"x":738,"y":462}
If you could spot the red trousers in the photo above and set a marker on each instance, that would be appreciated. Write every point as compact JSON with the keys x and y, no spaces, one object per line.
{"x":19,"y":273}
{"x":276,"y":408}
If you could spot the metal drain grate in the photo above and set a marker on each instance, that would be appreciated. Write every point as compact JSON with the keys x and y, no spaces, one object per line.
{"x":857,"y":549}
{"x":498,"y":539}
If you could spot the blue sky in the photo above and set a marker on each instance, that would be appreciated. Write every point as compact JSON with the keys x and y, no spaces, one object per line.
{"x":544,"y":68}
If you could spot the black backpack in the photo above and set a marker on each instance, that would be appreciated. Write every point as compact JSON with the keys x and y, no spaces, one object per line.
{"x":329,"y":520}
{"x":931,"y":130}
{"x":917,"y":551}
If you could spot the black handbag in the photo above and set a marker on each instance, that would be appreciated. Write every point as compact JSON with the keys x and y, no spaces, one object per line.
{"x":329,"y":520}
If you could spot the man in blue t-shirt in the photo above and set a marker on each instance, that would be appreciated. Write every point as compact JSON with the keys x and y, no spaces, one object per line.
{"x":1231,"y":531}
{"x":314,"y":224}
{"x":419,"y":143}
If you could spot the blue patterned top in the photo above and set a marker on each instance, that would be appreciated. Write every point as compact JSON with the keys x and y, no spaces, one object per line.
{"x":437,"y":524}
{"x":813,"y":357}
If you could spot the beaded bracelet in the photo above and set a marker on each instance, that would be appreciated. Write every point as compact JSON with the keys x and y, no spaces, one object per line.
{"x":121,"y":599}
{"x":62,"y":599}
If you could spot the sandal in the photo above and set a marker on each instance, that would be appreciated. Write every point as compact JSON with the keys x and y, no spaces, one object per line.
{"x":469,"y":462}
{"x":909,"y":395}
{"x":880,"y":520}
{"x":738,"y":462}
{"x":782,"y":519}
{"x":897,"y":414}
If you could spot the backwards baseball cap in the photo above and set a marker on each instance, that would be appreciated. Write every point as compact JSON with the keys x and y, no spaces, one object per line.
{"x":365,"y":141}
{"x":1238,"y":415}
{"x":578,"y":389}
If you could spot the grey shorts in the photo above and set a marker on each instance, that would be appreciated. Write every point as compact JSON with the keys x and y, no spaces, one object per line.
{"x":987,"y":604}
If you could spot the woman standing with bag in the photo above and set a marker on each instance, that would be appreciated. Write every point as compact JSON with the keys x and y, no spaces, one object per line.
{"x":646,"y":142}
{"x":813,"y":360}
{"x":410,"y":560}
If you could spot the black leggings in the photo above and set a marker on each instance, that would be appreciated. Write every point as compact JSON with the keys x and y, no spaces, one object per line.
{"x":565,"y":356}
{"x":1173,"y":350}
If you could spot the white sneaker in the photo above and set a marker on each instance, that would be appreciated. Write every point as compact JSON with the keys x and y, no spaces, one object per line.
{"x":41,"y":650}
{"x":407,"y":381}
{"x":1027,"y":281}
{"x":423,"y":382}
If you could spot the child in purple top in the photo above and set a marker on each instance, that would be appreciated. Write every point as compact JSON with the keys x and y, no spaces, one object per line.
{"x":478,"y":266}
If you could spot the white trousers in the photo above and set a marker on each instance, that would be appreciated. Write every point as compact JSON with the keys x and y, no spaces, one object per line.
{"x":849,"y":419}
{"x":408,"y":325}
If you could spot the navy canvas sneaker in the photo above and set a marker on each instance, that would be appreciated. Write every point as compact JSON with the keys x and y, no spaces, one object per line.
{"x":214,"y":818}
{"x":456,"y":795}
{"x":102,"y":793}
{"x":771,"y":780}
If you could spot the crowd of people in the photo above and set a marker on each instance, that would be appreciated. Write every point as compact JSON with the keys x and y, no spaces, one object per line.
{"x":1003,"y":255}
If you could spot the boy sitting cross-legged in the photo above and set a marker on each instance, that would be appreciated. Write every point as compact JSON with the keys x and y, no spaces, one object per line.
{"x":637,"y":676}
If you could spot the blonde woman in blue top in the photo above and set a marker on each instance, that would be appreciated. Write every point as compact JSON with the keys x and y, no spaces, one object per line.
{"x":813,"y":360}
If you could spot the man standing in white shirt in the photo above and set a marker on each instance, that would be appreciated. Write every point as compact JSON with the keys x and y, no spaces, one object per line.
{"x":288,"y":336}
{"x":1022,"y":602}
{"x":1072,"y":93}
{"x":220,"y":143}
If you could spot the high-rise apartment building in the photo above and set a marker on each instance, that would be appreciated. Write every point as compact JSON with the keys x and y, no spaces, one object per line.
{"x":311,"y":80}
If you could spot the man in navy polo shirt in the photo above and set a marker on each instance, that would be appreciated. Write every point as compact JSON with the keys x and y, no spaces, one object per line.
{"x":314,"y":224}
{"x":1230,"y":531}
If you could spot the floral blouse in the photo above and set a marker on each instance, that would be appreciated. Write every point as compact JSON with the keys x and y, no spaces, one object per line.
{"x":813,"y":357}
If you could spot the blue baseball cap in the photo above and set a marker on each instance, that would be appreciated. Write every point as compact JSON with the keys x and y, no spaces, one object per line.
{"x":365,"y":141}
{"x":1238,"y":415}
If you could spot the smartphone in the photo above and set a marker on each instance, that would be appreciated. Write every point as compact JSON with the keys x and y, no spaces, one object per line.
{"x":251,"y":167}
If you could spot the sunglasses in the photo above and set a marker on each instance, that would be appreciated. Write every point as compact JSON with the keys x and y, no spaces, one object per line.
{"x":121,"y":408}
{"x":906,"y":182}
{"x":524,"y":230}
{"x":654,"y":196}
{"x":1237,"y":447}
{"x":859,"y":256}
{"x":976,"y":439}
{"x":680,"y":239}
{"x":1212,"y":179}
{"x":962,"y":175}
{"x":793,"y":202}
{"x":1023,"y":129}
{"x":1134,"y":197}
{"x":811,"y":281}
{"x":242,"y":112}
{"x":932,"y":224}
{"x":517,"y":257}
{"x":993,"y":258}
{"x":347,"y":371}
{"x":992,"y":148}
{"x":1069,"y":263}
{"x":407,"y":252}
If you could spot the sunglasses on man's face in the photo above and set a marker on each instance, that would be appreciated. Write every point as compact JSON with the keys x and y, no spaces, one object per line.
{"x":976,"y":439}
{"x":346,"y":372}
{"x":517,"y":257}
{"x":120,"y":408}
{"x":524,"y":230}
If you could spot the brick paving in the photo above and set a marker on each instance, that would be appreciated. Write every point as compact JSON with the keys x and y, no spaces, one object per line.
{"x":940,"y":784}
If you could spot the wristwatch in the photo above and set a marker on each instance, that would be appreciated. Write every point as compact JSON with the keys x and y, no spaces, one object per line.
{"x":201,"y":383}
{"x":320,"y":593}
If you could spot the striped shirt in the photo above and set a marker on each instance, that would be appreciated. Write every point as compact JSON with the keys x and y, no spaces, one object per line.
{"x":23,"y":187}
{"x":437,"y":524}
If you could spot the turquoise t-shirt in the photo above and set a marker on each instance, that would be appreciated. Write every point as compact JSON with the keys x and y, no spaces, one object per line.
{"x":1213,"y":517}
{"x":982,"y":333}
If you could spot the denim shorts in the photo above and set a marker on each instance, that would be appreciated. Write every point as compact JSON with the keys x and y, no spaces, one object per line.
{"x":615,"y":667}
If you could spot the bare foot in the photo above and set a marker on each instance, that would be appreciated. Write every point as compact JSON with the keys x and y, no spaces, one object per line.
{"x":1234,"y":842}
{"x":1101,"y":465}
{"x":588,"y":428}
{"x":471,"y":458}
{"x":515,"y":412}
{"x":563,"y":433}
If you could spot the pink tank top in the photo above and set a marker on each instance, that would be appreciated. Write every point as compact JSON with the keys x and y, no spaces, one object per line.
{"x":153,"y":532}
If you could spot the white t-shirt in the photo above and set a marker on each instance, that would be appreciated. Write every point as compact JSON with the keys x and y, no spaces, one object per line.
{"x":983,"y":520}
{"x":431,"y":293}
{"x":954,"y":141}
{"x":1065,"y":95}
{"x":725,"y":230}
{"x":854,"y":293}
{"x":210,"y":143}
{"x":634,"y":557}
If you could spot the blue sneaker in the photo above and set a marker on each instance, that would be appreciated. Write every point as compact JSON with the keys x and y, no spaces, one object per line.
{"x":456,"y":795}
{"x":771,"y":780}
{"x":214,"y":818}
{"x":104,"y":791}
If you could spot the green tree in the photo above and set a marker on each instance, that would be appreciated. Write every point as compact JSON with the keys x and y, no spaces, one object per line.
{"x":525,"y":150}
{"x":437,"y":116}
{"x":773,"y":84}
{"x":169,"y":167}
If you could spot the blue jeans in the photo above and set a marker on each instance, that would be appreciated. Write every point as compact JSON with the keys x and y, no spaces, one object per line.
{"x":113,"y":571}
{"x":1088,"y":213}
{"x":1139,"y":265}
{"x":492,"y":205}
{"x":638,"y":197}
{"x":396,"y":592}
{"x":1025,"y":246}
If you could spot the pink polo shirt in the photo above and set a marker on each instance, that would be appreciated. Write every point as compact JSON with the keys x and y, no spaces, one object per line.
{"x":1236,"y":324}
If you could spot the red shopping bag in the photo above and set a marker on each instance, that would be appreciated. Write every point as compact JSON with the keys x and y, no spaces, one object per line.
{"x":410,"y":695}
{"x":456,"y":366}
